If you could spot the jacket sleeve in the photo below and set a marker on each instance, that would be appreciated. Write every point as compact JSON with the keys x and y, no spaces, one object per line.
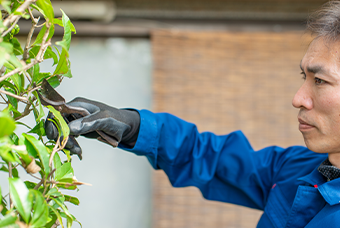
{"x":224,"y":168}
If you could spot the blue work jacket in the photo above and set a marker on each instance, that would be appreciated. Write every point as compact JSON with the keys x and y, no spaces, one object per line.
{"x":283,"y":182}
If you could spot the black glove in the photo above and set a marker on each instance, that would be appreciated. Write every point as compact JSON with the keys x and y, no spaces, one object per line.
{"x":120,"y":124}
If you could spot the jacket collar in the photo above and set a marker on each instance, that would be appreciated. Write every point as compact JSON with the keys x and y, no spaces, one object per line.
{"x":330,"y":190}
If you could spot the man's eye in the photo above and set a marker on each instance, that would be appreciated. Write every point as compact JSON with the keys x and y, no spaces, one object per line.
{"x":318,"y":81}
{"x":303,"y":75}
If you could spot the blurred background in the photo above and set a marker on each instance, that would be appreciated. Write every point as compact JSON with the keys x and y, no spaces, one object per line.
{"x":224,"y":65}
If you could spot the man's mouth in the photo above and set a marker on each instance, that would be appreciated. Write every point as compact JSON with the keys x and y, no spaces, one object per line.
{"x":304,"y":126}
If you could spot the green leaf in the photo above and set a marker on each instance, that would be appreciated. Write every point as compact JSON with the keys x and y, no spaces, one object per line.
{"x":72,"y":199}
{"x":7,"y":124}
{"x":62,"y":66}
{"x":15,"y":61}
{"x":54,"y":192}
{"x":66,"y":41}
{"x":4,"y":209}
{"x":65,"y":131}
{"x":38,"y":78}
{"x":6,"y":150}
{"x":47,"y":9}
{"x":14,"y":138}
{"x":54,"y":81}
{"x":50,"y":54}
{"x":15,"y":112}
{"x":19,"y":81}
{"x":41,"y":34}
{"x":5,"y":50}
{"x":8,"y":84}
{"x":68,"y":74}
{"x":6,"y":47}
{"x":59,"y":22}
{"x":16,"y":46}
{"x":11,"y":99}
{"x":56,"y":161}
{"x":8,"y":220}
{"x":39,"y":38}
{"x":33,"y":52}
{"x":41,"y":110}
{"x":6,"y":4}
{"x":64,"y":172}
{"x":23,"y":154}
{"x":56,"y":212}
{"x":22,"y":200}
{"x":14,"y":170}
{"x":39,"y":129}
{"x":29,"y":184}
{"x":41,"y":150}
{"x":40,"y":210}
{"x":62,"y":205}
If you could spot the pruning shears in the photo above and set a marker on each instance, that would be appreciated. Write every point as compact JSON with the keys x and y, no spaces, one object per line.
{"x":49,"y":96}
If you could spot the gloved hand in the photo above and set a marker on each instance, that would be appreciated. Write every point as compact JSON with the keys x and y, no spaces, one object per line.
{"x":120,"y":124}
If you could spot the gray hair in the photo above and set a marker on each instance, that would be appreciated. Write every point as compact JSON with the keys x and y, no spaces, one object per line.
{"x":326,"y":21}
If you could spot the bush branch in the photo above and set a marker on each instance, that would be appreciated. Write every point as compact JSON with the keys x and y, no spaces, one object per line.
{"x":30,"y":34}
{"x":10,"y":28}
{"x":37,"y":60}
{"x":25,"y":99}
{"x":21,"y":9}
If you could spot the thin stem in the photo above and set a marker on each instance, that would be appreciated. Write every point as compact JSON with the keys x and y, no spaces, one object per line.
{"x":30,"y":34}
{"x":43,"y":180}
{"x":28,"y":78}
{"x":10,"y":28}
{"x":26,"y":111}
{"x":15,"y":96}
{"x":55,"y":150}
{"x":7,"y":102}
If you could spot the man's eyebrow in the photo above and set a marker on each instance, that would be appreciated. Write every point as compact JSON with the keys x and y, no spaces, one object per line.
{"x":314,"y":69}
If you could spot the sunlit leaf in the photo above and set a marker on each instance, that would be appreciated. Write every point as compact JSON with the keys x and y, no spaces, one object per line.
{"x":62,"y":66}
{"x":8,"y":220}
{"x":64,"y":172}
{"x":41,"y":34}
{"x":7,"y":124}
{"x":47,"y":9}
{"x":22,"y":200}
{"x":59,"y":22}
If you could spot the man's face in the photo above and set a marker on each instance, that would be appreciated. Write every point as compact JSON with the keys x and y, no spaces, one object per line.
{"x":319,"y":97}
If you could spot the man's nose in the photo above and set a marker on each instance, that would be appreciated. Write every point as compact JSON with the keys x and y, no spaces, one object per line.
{"x":303,"y":97}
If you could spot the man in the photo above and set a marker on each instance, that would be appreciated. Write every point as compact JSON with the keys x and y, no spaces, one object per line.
{"x":295,"y":187}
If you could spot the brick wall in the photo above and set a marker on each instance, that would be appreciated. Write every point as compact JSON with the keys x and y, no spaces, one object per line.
{"x":224,"y":82}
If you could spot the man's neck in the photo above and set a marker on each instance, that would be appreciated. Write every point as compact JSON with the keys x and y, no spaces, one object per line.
{"x":334,"y":158}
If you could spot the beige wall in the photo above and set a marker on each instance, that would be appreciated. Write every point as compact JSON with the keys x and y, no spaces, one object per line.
{"x":224,"y":81}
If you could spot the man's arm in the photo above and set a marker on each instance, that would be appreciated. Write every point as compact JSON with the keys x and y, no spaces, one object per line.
{"x":225,"y":168}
